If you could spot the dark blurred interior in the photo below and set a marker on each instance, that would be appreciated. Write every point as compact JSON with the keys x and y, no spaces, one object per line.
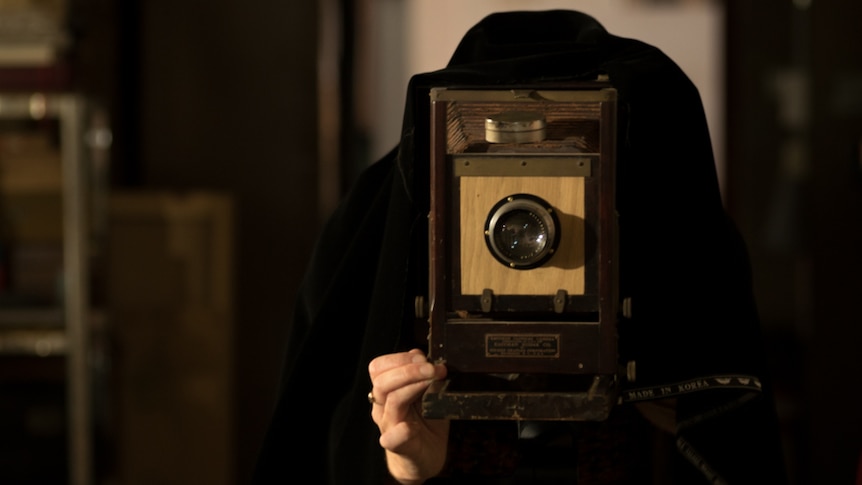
{"x":233,"y":132}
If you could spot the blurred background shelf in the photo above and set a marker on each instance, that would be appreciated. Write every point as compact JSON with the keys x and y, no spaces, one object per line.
{"x":44,"y":287}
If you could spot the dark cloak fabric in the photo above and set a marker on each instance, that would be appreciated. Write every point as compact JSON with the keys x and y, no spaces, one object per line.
{"x":694,"y":332}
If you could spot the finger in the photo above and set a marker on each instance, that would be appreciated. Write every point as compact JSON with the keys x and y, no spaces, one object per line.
{"x":387,"y":415}
{"x":400,"y":402}
{"x":396,"y":437}
{"x":397,"y":388}
{"x":386,"y":362}
{"x":391,"y":371}
{"x":419,"y":371}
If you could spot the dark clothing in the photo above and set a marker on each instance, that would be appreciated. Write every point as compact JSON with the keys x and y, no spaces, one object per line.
{"x":622,"y":449}
{"x":694,"y":331}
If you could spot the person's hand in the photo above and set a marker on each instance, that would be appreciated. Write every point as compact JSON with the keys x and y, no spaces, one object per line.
{"x":415,"y":447}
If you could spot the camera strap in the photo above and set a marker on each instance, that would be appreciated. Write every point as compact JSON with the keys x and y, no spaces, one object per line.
{"x":664,"y":391}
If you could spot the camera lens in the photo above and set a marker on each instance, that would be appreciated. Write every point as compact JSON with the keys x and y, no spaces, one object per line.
{"x":520,"y":235}
{"x":521,"y":231}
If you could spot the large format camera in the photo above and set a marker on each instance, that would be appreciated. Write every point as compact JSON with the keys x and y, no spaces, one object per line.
{"x":523,"y":297}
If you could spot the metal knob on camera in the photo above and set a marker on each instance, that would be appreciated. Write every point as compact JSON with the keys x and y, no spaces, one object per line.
{"x":515,"y":127}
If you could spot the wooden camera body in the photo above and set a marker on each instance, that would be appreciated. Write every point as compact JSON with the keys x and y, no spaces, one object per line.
{"x":523,"y":295}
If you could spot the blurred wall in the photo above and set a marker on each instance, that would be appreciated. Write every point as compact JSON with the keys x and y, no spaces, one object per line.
{"x":223,"y":96}
{"x":795,"y":173}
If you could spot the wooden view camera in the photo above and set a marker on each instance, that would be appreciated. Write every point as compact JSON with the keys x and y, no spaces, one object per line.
{"x":523,"y":253}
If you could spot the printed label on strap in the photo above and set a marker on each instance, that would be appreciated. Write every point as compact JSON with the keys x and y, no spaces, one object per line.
{"x":693,"y":385}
